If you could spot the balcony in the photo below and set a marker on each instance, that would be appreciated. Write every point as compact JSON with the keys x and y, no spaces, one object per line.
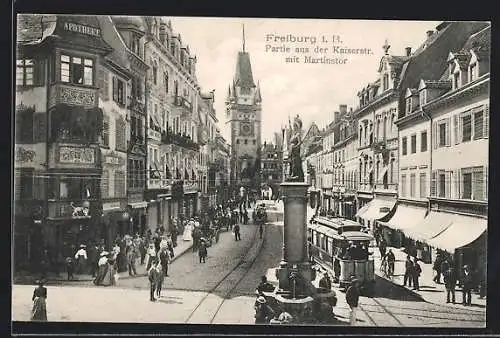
{"x":365,"y":187}
{"x":180,"y":140}
{"x":388,"y":188}
{"x":183,"y":105}
{"x":73,"y":95}
{"x":160,"y":183}
{"x":77,"y":209}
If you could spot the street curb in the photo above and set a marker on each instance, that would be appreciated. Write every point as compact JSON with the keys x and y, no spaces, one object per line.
{"x":418,"y":295}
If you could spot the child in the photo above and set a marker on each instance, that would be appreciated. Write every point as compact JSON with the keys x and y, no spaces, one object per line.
{"x":70,"y":268}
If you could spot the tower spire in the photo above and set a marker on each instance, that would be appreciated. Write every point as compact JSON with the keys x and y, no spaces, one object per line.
{"x":243,"y":29}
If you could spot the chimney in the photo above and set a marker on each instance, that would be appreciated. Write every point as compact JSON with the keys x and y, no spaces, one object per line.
{"x":343,"y":109}
{"x":408,"y":51}
{"x":429,"y":33}
{"x":336,"y":117}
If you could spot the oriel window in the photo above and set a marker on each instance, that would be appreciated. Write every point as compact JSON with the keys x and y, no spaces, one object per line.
{"x":77,"y":70}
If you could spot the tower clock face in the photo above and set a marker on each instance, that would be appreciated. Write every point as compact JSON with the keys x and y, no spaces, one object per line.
{"x":246,"y":129}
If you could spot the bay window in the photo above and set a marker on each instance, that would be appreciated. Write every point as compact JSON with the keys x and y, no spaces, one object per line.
{"x":77,"y":70}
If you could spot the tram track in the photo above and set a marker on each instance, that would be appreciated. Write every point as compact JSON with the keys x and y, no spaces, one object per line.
{"x":247,"y":262}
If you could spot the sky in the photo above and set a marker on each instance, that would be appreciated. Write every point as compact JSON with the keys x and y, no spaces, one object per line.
{"x":314,"y":91}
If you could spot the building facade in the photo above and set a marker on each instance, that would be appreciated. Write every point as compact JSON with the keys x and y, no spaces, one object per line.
{"x":132,"y":31}
{"x":58,"y":126}
{"x":244,"y":109}
{"x":271,"y":169}
{"x":114,"y":80}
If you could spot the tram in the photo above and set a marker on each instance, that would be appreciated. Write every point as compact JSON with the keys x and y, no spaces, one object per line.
{"x":341,"y":246}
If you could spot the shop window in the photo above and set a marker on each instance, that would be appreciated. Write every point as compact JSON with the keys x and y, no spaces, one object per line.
{"x":77,"y":70}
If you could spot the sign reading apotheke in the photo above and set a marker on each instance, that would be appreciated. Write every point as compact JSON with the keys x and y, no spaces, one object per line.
{"x":82,"y":29}
{"x":76,"y":155}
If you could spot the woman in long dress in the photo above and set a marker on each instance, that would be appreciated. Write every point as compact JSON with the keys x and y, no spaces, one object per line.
{"x":188,"y":232}
{"x":39,"y":311}
{"x":109,"y":277}
{"x":103,"y":269}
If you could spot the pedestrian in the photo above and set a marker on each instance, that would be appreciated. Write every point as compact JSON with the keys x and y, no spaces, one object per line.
{"x":174,"y":233}
{"x":264,"y":286}
{"x":153,"y":276}
{"x":416,"y":271}
{"x":336,"y":269}
{"x":261,"y":230}
{"x":39,"y":310}
{"x":131,"y":255}
{"x":408,"y":272}
{"x":237,"y":234}
{"x":263,"y":312}
{"x":151,"y":253}
{"x":466,"y":282}
{"x":143,"y":250}
{"x":382,"y":247}
{"x":391,"y":259}
{"x":450,"y":282}
{"x":81,"y":259}
{"x":164,"y":257}
{"x":245,"y":217}
{"x":325,"y":282}
{"x":202,"y":251}
{"x":352,"y":299}
{"x":160,"y":278}
{"x":70,"y":268}
{"x":437,"y":267}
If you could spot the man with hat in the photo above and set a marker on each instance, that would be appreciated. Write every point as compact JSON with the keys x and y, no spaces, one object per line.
{"x":102,"y":269}
{"x":352,"y":299}
{"x":81,"y":258}
{"x":466,"y":282}
{"x":263,"y":312}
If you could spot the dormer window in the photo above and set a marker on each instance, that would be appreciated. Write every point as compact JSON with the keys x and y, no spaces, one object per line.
{"x":423,"y":97}
{"x":473,"y":72}
{"x":456,"y":80}
{"x":408,"y":105}
{"x":385,"y":82}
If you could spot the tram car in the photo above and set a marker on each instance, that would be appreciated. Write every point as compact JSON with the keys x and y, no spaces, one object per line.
{"x":341,"y":246}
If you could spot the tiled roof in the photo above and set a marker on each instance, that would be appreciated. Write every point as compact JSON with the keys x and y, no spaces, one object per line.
{"x":480,"y":41}
{"x":32,"y":28}
{"x":244,"y":75}
{"x":438,"y":84}
{"x":430,"y":62}
{"x":112,"y":37}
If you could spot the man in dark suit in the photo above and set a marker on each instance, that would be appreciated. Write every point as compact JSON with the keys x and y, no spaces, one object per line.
{"x":450,"y":281}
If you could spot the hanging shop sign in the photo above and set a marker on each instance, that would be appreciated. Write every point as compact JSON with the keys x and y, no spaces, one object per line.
{"x":76,"y":155}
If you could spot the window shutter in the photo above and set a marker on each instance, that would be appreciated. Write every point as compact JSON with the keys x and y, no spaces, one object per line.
{"x":456,"y":129}
{"x":448,"y":181}
{"x":486,"y":188}
{"x":478,"y":184}
{"x":435,"y":135}
{"x":456,"y":181}
{"x":39,"y":72}
{"x":115,"y":89}
{"x":478,"y":123}
{"x":448,"y":127}
{"x":39,"y":127}
{"x":102,"y":78}
{"x":17,"y":185}
{"x":486,"y":120}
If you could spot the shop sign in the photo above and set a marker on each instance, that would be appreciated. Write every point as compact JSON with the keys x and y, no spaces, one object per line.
{"x":74,"y":155}
{"x":110,"y":206}
{"x":114,"y":160}
{"x":82,"y":29}
{"x":385,"y":209}
{"x":25,"y":155}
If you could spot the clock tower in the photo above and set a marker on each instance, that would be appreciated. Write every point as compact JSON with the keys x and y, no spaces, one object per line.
{"x":243,"y":112}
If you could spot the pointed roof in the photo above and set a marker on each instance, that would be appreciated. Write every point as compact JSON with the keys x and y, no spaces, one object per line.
{"x":258,"y":97}
{"x":244,"y":77}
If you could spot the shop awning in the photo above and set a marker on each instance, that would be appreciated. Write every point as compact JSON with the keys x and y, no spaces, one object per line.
{"x":406,"y":217}
{"x":463,"y":231}
{"x":138,"y":205}
{"x":362,"y":210}
{"x":378,"y":208}
{"x":434,"y":224}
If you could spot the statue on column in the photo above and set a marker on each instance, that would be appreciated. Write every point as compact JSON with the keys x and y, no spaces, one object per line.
{"x":296,"y":173}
